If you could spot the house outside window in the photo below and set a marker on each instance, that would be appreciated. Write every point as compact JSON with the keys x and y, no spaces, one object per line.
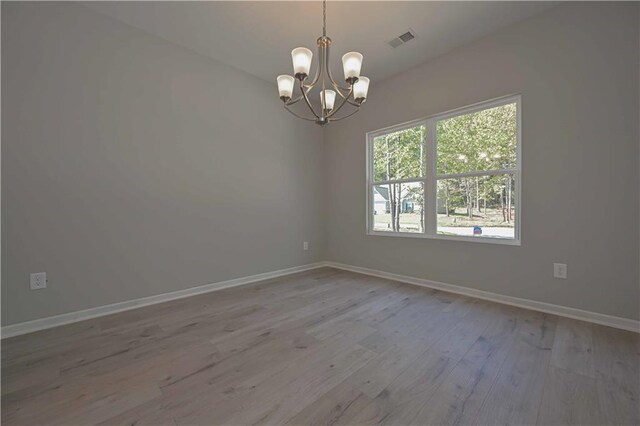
{"x":456,"y":175}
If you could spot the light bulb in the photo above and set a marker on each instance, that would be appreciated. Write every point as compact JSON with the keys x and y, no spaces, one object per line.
{"x":328,"y":98}
{"x":285,"y":87}
{"x":351,"y":64}
{"x":301,"y":57}
{"x":360,"y":89}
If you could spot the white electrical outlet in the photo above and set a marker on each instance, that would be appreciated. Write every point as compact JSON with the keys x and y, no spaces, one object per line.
{"x":38,"y":281}
{"x":305,"y":245}
{"x":560,"y":271}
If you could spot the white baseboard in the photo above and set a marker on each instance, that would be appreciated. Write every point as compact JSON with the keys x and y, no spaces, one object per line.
{"x":54,"y":321}
{"x":563,"y":311}
{"x":71,"y":317}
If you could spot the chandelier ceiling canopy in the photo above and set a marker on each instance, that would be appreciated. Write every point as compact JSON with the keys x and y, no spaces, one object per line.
{"x":332,"y":95}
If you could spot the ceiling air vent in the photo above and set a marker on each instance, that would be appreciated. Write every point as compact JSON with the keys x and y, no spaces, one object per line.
{"x":402,"y":38}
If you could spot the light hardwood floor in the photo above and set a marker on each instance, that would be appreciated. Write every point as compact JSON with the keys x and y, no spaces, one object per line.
{"x":323,"y":347}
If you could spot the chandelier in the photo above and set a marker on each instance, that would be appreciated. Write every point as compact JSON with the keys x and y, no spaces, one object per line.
{"x":354,"y":94}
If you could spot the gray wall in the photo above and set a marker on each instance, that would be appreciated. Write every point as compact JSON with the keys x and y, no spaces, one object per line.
{"x":133,"y":167}
{"x":577,"y":70}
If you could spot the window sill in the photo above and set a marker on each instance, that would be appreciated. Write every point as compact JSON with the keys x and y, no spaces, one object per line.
{"x":486,"y":240}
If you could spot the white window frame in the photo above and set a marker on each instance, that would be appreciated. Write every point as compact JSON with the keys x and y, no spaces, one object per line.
{"x":430,"y":178}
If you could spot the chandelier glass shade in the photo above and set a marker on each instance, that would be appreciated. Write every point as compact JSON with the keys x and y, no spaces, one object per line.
{"x":332,"y":96}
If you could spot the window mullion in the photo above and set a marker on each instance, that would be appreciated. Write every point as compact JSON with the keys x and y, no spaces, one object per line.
{"x":430,"y":205}
{"x":369,"y":198}
{"x":407,"y":180}
{"x":479,"y":173}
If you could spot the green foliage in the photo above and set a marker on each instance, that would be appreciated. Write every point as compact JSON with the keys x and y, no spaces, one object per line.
{"x":482,"y":192}
{"x":399,"y":155}
{"x":483,"y":140}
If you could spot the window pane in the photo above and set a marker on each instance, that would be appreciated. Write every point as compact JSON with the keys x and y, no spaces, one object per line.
{"x":397,"y":207}
{"x":399,"y":155}
{"x":482,"y":140}
{"x":481,"y":206}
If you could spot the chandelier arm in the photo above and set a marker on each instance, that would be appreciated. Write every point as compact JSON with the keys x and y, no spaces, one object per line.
{"x":344,"y":100}
{"x":306,"y":98}
{"x":335,"y":85}
{"x":320,"y":69}
{"x":296,"y":114}
{"x":315,"y":79}
{"x":339,"y":89}
{"x":346,"y":116}
{"x":293,"y":101}
{"x":355,"y":104}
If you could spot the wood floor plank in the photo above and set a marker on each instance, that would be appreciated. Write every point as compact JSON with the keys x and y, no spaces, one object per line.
{"x":569,"y":398}
{"x":376,"y":375}
{"x":323,"y":347}
{"x":253,"y":397}
{"x":459,"y":398}
{"x":617,"y":364}
{"x":517,"y":392}
{"x":573,"y":347}
{"x":402,"y":400}
{"x":279,"y":406}
{"x":338,"y":406}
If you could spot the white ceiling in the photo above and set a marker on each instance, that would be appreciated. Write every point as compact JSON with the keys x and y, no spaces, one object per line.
{"x":257,"y":37}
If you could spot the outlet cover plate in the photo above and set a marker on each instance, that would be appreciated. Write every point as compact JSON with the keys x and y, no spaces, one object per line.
{"x":38,"y":281}
{"x":560,"y":270}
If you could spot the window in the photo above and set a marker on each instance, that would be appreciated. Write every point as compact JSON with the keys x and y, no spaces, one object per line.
{"x":452,"y":176}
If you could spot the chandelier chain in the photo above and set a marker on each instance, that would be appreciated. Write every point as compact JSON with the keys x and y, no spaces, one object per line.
{"x":324,"y":18}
